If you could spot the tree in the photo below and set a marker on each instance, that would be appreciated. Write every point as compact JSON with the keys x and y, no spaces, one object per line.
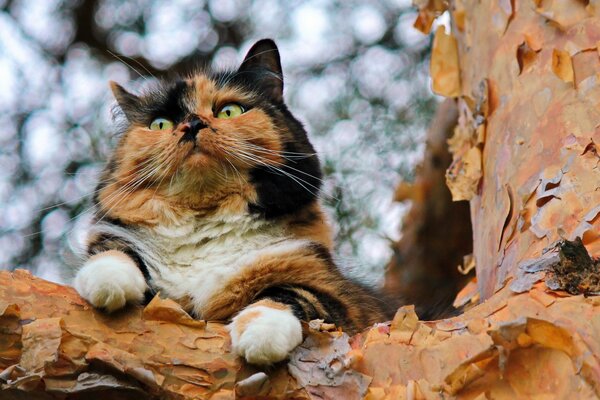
{"x":525,"y":76}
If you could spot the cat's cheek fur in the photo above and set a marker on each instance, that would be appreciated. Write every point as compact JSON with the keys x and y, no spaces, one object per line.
{"x":109,"y":280}
{"x":264,"y":335}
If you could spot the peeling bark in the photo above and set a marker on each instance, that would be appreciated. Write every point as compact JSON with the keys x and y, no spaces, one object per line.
{"x":55,"y":346}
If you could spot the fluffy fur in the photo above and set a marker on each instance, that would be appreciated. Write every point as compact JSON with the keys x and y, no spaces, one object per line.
{"x":220,"y":212}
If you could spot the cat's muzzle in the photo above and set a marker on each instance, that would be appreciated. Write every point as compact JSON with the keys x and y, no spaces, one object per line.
{"x":191,"y":129}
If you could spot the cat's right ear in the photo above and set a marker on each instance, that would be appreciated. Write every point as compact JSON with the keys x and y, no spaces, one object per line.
{"x":128,"y":102}
{"x":262,"y":57}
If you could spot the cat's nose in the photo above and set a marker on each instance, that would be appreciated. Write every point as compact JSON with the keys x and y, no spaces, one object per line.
{"x":195,"y":125}
{"x":191,"y":129}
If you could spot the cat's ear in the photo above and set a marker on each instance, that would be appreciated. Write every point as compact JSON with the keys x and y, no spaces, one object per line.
{"x":263,"y":60}
{"x":128,"y":102}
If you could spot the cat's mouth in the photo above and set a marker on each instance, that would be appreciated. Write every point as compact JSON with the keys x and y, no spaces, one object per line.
{"x":196,"y":155}
{"x":201,"y":152}
{"x":193,"y":147}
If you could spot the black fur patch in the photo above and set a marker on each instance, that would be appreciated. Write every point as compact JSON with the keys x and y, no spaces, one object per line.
{"x":164,"y":100}
{"x":282,"y":193}
{"x":335,"y":309}
{"x":286,"y":295}
{"x":303,"y":309}
{"x":295,"y":184}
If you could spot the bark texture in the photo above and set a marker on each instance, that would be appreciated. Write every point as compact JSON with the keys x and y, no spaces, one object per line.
{"x":525,"y":75}
{"x":528,"y":127}
{"x":54,"y":346}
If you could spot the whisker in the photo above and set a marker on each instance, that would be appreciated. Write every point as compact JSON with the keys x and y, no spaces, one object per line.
{"x":129,"y":65}
{"x":164,"y":175}
{"x":254,"y":146}
{"x":135,"y":61}
{"x":292,"y":158}
{"x":296,"y":179}
{"x":126,"y":193}
{"x":288,"y":166}
{"x":95,"y":191}
{"x":235,"y":170}
{"x":144,"y":171}
{"x":171,"y":181}
{"x":154,"y":162}
{"x":88,"y":209}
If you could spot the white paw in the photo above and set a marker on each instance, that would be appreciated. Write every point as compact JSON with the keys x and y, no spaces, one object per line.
{"x":264,"y":335}
{"x":109,"y":280}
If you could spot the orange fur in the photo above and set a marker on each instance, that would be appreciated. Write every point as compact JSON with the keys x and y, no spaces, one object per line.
{"x":301,"y":268}
{"x":311,"y":224}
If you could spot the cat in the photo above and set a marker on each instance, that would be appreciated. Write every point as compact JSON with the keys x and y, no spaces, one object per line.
{"x":212,"y":199}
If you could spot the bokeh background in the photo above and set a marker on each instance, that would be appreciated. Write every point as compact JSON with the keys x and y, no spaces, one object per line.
{"x":356,"y":74}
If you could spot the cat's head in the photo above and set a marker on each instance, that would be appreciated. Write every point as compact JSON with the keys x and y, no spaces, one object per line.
{"x":211,"y":135}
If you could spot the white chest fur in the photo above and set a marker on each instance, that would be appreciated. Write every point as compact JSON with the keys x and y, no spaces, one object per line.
{"x":195,"y":258}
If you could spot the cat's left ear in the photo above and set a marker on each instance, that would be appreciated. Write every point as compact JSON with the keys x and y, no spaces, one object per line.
{"x":263,"y":60}
{"x":128,"y":102}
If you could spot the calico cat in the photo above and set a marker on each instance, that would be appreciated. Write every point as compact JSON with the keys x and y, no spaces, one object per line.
{"x":211,"y":198}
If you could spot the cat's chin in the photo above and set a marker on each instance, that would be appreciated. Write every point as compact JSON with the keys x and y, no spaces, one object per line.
{"x":200,"y":160}
{"x":197,"y":157}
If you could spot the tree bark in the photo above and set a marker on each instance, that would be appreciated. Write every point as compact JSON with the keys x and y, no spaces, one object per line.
{"x":530,"y":109}
{"x":525,"y":75}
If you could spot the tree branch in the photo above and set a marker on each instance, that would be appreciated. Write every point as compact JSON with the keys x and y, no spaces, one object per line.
{"x":53,"y":345}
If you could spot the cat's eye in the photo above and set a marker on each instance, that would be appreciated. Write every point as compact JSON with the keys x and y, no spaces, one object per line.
{"x":230,"y":110}
{"x":161,"y":124}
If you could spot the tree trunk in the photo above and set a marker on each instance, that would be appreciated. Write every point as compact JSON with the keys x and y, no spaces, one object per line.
{"x":436,"y":232}
{"x":525,"y":75}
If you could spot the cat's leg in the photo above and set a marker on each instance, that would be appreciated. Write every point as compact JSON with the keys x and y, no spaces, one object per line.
{"x":110,"y":279}
{"x":266,"y":331}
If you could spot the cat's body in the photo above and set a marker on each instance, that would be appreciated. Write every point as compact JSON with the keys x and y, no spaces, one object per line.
{"x":216,"y":206}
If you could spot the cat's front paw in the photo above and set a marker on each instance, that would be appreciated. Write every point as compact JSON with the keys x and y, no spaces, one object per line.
{"x":109,"y":280}
{"x":264,"y":335}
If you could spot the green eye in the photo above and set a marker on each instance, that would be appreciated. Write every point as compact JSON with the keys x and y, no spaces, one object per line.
{"x":161,"y":124}
{"x":230,"y":110}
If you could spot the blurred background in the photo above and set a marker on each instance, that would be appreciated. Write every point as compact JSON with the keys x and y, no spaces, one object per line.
{"x":356,"y":74}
